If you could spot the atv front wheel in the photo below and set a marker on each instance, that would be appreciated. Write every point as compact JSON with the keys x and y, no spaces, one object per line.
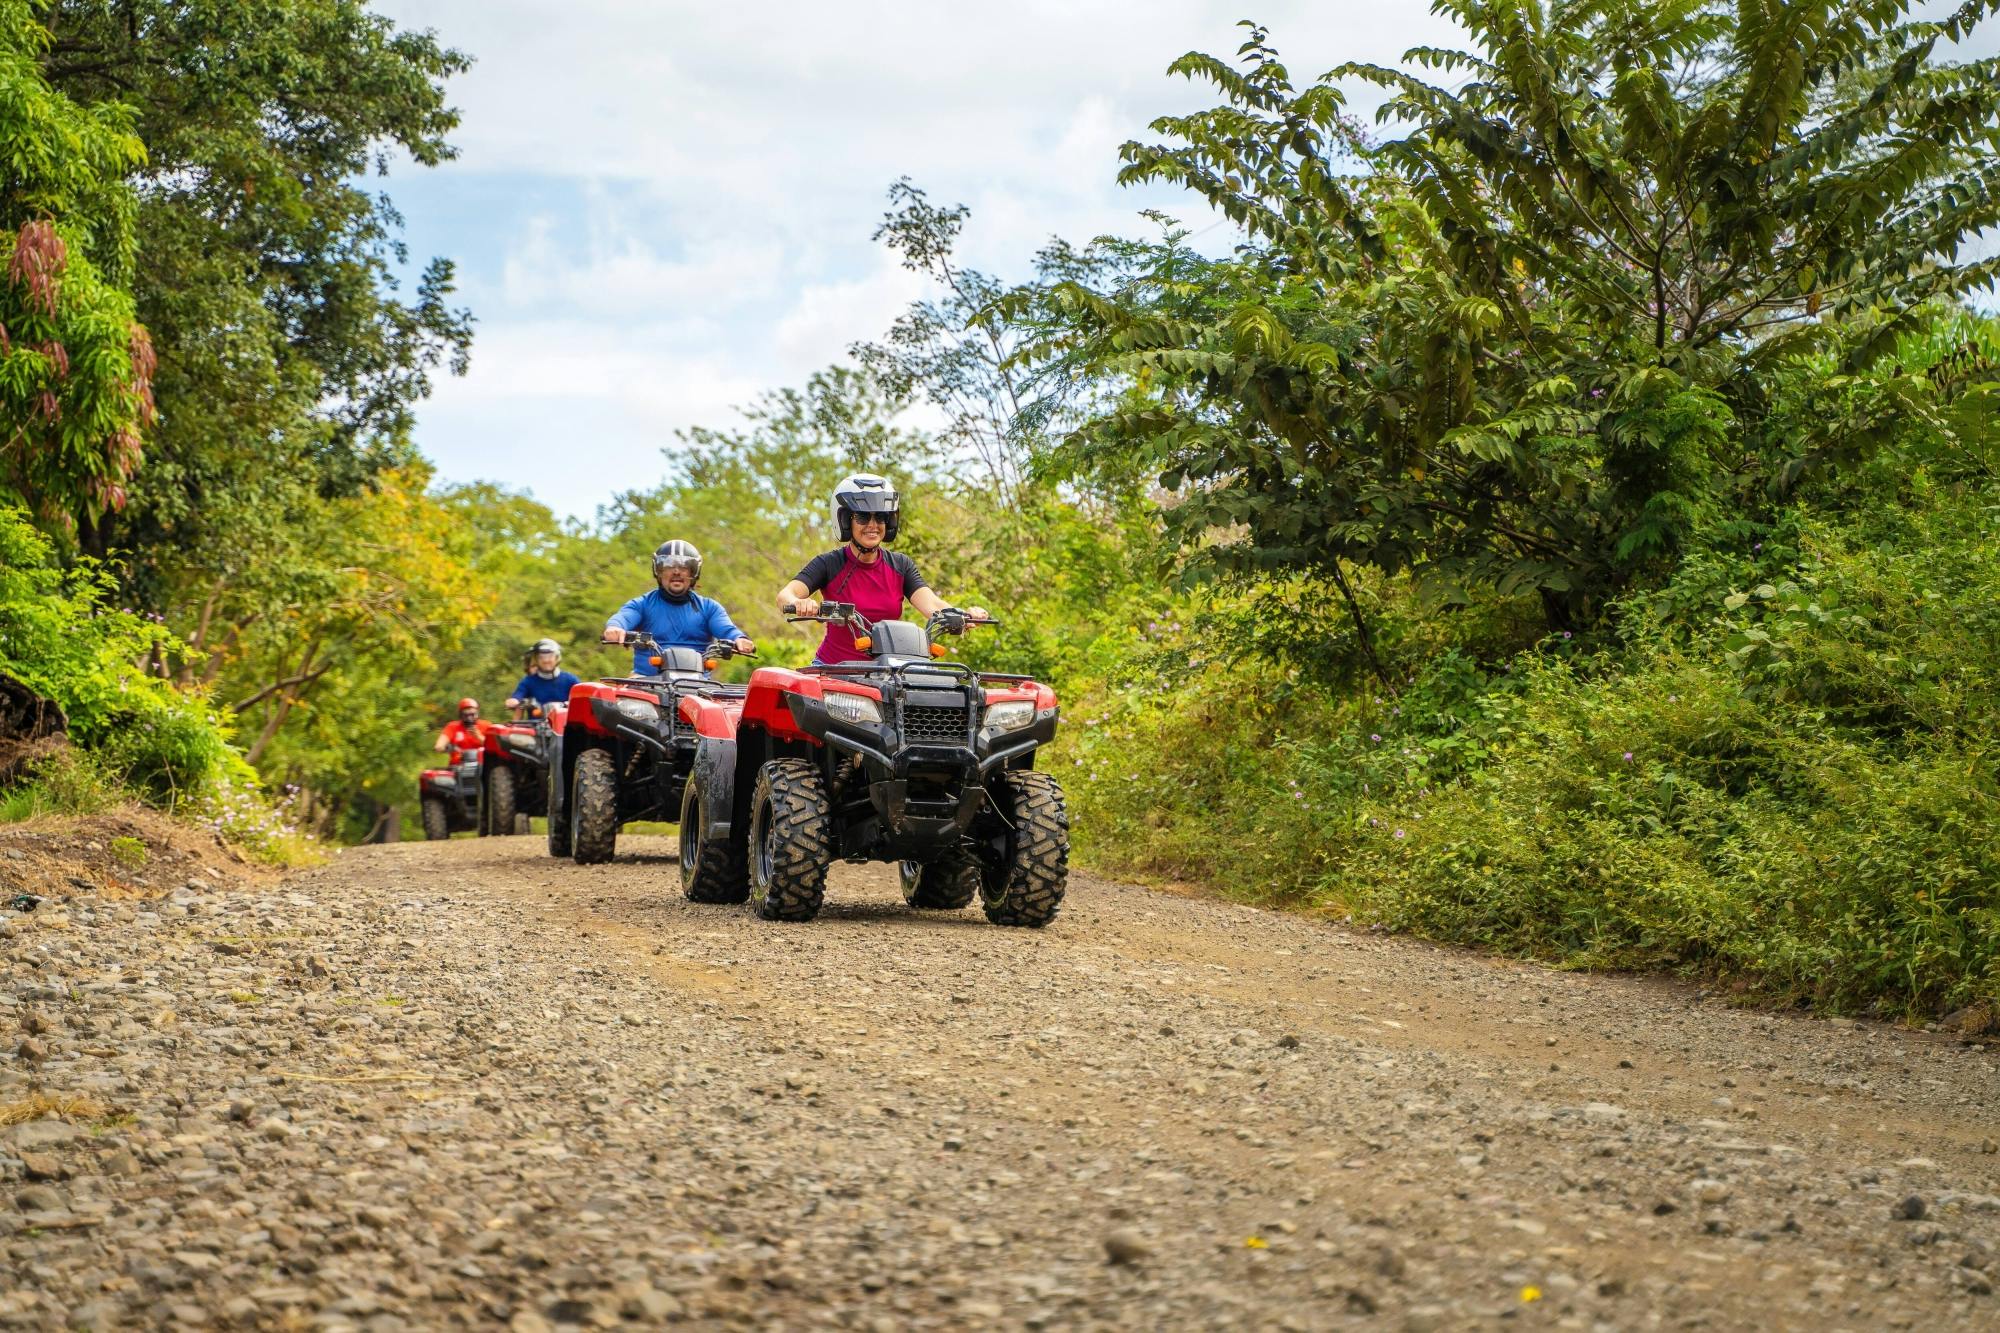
{"x":712,"y":871}
{"x":558,"y":815}
{"x":496,"y":814}
{"x":945,"y":885}
{"x":791,"y":841}
{"x":1026,"y":888}
{"x":437,"y":820}
{"x":593,"y":808}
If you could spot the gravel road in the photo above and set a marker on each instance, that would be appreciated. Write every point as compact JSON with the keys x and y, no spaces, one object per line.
{"x":460,"y":1084}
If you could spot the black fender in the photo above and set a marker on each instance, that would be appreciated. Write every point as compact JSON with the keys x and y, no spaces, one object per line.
{"x":559,"y":765}
{"x":714,"y":777}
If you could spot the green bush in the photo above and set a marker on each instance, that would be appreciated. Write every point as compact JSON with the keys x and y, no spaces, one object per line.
{"x":60,"y":634}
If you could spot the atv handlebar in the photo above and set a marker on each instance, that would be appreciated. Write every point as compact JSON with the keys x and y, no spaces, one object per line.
{"x":945,"y":620}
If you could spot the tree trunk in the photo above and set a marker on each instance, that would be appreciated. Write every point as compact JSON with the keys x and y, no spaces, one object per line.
{"x":31,"y":728}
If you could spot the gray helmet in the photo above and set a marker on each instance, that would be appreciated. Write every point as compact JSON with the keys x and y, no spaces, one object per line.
{"x":677,"y":554}
{"x":865,"y":493}
{"x":547,"y":646}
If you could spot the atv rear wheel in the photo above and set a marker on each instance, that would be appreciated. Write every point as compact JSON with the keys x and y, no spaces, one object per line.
{"x":593,"y":808}
{"x":496,"y":812}
{"x":712,"y":871}
{"x":437,"y":819}
{"x":1026,"y":889}
{"x":945,"y":885}
{"x":791,"y":841}
{"x":558,"y":815}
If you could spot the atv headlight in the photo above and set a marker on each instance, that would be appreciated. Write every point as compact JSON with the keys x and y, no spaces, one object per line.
{"x":639,"y":710}
{"x":855,"y":708}
{"x":1011,"y":715}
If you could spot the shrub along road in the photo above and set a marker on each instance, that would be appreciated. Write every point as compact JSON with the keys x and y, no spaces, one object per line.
{"x":463,"y":1084}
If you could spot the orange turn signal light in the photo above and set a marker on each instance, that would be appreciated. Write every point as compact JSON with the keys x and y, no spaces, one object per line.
{"x":708,"y":664}
{"x":654,"y":660}
{"x":863,"y":642}
{"x":937,"y":650}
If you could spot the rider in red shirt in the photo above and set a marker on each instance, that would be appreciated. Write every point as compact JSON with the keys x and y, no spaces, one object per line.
{"x":867,"y":512}
{"x":467,"y":733}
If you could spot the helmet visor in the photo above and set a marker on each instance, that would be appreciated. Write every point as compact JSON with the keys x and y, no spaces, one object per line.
{"x":691,"y":563}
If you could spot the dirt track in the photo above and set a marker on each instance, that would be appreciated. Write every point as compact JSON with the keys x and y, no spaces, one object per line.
{"x":465,"y":1084}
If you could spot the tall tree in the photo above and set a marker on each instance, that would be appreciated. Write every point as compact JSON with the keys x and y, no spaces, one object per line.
{"x":289,"y":356}
{"x":1517,"y":347}
{"x":75,"y":366}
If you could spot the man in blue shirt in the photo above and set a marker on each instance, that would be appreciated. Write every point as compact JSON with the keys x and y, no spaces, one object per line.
{"x":546,"y":682}
{"x":674,"y":613}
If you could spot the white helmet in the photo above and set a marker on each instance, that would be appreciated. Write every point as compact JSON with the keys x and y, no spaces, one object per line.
{"x":547,"y":646}
{"x":865,"y":493}
{"x":677,"y":554}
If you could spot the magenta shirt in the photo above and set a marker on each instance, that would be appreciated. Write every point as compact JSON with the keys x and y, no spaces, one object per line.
{"x":877,"y":591}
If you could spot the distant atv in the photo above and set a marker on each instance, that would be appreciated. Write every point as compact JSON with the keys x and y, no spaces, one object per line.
{"x":623,"y":748}
{"x":449,"y":797}
{"x":514,"y":783}
{"x":900,"y":758}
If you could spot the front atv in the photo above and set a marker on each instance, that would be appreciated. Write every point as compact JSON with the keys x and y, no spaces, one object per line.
{"x":449,"y":797}
{"x":623,"y":748}
{"x":901,"y":758}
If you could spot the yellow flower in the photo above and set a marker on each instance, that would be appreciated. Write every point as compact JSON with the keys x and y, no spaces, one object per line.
{"x":1531,"y":1294}
{"x":1257,"y":1243}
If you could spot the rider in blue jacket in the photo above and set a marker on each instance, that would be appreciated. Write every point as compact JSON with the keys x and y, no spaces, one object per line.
{"x":674,"y":613}
{"x":546,"y":682}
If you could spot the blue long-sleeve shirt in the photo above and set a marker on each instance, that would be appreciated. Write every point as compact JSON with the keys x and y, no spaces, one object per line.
{"x":695,"y":624}
{"x":537,"y":688}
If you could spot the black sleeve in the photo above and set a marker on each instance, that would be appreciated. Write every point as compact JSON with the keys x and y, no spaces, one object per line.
{"x":907,"y":567}
{"x":821,"y":569}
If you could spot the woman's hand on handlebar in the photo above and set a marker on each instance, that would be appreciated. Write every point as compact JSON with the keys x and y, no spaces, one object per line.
{"x":805,"y":606}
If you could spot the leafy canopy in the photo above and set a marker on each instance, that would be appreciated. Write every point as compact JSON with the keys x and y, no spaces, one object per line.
{"x":1520,"y":346}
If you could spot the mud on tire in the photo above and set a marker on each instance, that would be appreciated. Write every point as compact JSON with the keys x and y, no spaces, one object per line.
{"x":1026,"y":889}
{"x":945,"y":885}
{"x":593,"y":808}
{"x":791,"y":841}
{"x":437,"y":820}
{"x":496,"y":812}
{"x":558,"y":823}
{"x":711,"y":871}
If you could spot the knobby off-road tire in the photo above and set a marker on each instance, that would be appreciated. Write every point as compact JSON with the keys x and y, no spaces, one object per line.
{"x":791,"y":841}
{"x":711,"y":872}
{"x":437,"y":819}
{"x":593,"y":808}
{"x":558,"y":823}
{"x":945,"y":885}
{"x":1027,"y":888}
{"x":496,"y":813}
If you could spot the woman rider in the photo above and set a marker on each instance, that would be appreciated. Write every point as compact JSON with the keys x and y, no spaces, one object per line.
{"x":874,"y":580}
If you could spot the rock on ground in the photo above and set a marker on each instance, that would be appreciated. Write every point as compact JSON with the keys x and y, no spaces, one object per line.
{"x":463,"y":1085}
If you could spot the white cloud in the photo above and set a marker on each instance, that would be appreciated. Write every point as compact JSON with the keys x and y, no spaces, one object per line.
{"x":713,"y":172}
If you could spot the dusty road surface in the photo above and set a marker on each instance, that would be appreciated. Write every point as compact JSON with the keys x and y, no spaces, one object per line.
{"x":464,"y":1085}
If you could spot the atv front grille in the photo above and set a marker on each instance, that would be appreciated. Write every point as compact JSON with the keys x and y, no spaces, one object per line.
{"x":927,"y":722}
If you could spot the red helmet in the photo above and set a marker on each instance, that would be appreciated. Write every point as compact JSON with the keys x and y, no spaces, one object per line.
{"x":464,"y":704}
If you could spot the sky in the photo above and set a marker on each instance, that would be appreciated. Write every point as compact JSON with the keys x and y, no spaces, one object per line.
{"x":662,"y":208}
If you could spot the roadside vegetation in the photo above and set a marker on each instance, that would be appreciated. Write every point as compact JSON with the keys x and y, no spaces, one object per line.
{"x":1565,"y":523}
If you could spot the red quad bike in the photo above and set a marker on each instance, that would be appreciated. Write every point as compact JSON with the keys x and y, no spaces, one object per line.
{"x":900,"y":758}
{"x":513,"y":786}
{"x":623,"y":748}
{"x":449,"y":797}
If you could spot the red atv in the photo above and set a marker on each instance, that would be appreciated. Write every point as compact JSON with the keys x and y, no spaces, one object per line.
{"x":621,"y":751}
{"x":513,"y":784}
{"x":900,"y":758}
{"x":449,"y":797}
